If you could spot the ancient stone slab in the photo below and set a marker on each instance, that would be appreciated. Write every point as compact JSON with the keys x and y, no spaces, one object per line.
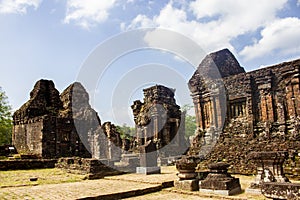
{"x":219,"y":181}
{"x":222,"y":192}
{"x":277,"y":190}
{"x":189,"y":185}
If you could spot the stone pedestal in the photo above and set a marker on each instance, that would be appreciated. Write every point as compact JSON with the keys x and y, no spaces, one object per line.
{"x":148,"y":170}
{"x":269,"y":168}
{"x":219,"y":181}
{"x":187,"y":180}
{"x":148,"y":159}
{"x":190,"y":185}
{"x":187,"y":176}
{"x":128,"y":163}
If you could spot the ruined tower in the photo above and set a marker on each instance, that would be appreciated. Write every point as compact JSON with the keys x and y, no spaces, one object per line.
{"x":50,"y":125}
{"x":158,"y":119}
{"x":259,"y":111}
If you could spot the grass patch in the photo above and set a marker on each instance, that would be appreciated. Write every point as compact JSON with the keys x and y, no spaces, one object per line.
{"x":45,"y":176}
{"x":3,"y":158}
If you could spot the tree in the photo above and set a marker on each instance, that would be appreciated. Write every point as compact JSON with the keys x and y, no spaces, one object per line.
{"x":126,"y":131}
{"x":5,"y":119}
{"x":190,"y":121}
{"x":190,"y":125}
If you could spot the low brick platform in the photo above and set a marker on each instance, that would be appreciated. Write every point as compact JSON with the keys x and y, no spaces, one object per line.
{"x":27,"y":164}
{"x":92,"y":168}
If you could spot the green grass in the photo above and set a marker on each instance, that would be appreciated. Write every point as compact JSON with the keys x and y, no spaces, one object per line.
{"x":45,"y":176}
{"x":3,"y":158}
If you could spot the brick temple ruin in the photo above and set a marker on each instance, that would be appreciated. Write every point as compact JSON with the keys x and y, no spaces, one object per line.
{"x":160,"y":119}
{"x":241,"y":111}
{"x":53,"y":125}
{"x":260,"y":111}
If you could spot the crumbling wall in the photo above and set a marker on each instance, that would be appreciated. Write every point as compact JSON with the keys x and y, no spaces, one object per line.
{"x":31,"y":120}
{"x":29,"y":136}
{"x":113,"y":142}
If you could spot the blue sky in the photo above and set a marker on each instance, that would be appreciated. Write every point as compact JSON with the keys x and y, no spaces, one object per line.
{"x":52,"y":40}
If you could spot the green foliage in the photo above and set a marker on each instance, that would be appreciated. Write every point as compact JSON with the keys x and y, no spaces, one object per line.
{"x":126,"y":131}
{"x":190,"y":125}
{"x":190,"y":121}
{"x":5,"y":119}
{"x":186,"y":107}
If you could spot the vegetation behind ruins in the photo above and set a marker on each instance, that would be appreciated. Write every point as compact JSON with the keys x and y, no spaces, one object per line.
{"x":5,"y":119}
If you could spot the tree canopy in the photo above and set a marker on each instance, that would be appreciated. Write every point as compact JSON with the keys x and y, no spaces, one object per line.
{"x":190,"y":125}
{"x":190,"y":121}
{"x":126,"y":131}
{"x":5,"y":119}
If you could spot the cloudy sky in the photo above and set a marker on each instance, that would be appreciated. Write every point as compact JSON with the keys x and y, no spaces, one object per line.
{"x":53,"y":39}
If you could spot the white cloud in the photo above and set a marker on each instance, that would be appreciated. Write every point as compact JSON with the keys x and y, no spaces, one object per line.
{"x":140,"y":21}
{"x":88,"y":13}
{"x":298,"y":3}
{"x":240,"y":16}
{"x":18,"y":6}
{"x":216,"y":22}
{"x":176,"y":19}
{"x":282,"y":36}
